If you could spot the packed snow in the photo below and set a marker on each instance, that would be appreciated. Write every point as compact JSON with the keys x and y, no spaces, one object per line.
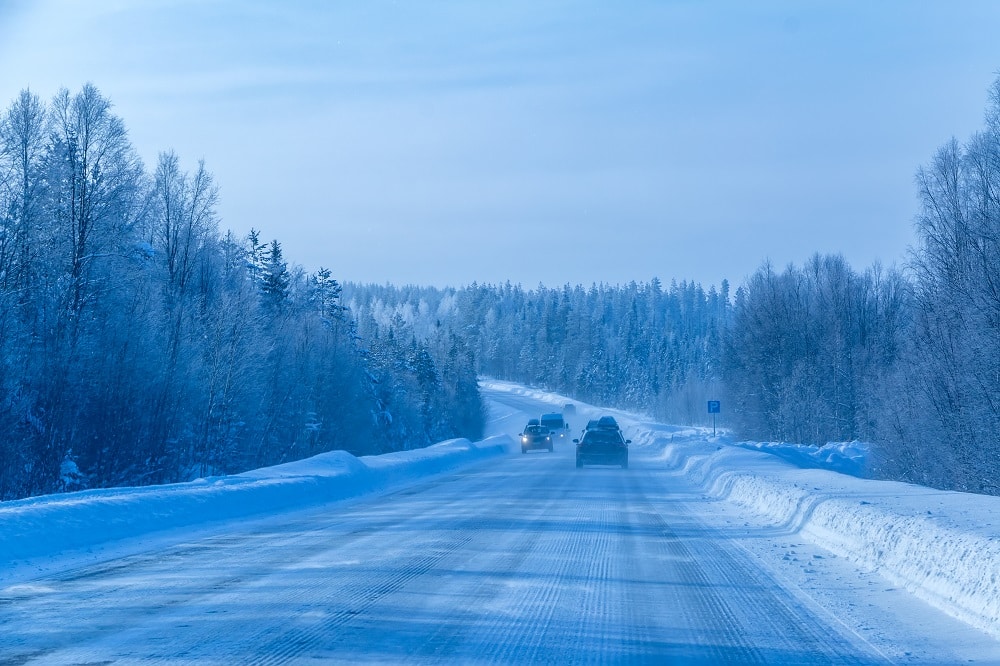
{"x":46,"y":527}
{"x":941,"y":547}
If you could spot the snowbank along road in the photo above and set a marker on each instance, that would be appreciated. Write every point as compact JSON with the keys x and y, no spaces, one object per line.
{"x":513,"y":559}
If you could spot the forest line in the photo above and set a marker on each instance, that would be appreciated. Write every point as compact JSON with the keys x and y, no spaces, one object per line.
{"x":139,"y":344}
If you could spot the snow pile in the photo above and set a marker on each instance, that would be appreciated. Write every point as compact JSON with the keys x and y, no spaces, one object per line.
{"x":54,"y":524}
{"x":943,"y":547}
{"x":844,"y":457}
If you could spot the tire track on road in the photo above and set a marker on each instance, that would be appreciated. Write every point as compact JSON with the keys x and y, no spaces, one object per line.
{"x":743,"y":613}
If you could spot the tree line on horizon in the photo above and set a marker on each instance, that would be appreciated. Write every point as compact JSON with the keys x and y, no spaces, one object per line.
{"x":140,"y":345}
{"x":906,"y":359}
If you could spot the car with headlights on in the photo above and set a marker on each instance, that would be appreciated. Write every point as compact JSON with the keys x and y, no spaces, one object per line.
{"x":535,"y":437}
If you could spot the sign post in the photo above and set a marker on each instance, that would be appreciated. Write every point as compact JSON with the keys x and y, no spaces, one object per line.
{"x":714,"y":407}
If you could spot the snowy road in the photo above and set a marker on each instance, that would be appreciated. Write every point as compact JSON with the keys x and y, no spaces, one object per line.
{"x":521,"y":559}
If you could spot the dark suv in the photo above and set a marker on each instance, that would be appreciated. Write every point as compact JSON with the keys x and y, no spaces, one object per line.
{"x":535,"y":437}
{"x":602,"y":444}
{"x":603,"y":423}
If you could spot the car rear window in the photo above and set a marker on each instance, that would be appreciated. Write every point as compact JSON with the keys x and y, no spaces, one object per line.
{"x":602,"y":437}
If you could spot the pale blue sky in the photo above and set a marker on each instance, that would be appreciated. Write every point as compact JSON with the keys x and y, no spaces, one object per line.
{"x":450,"y":142}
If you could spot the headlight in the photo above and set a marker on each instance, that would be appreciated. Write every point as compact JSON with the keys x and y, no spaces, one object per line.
{"x":524,"y":440}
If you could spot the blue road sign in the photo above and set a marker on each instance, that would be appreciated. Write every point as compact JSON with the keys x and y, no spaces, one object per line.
{"x":714,"y":406}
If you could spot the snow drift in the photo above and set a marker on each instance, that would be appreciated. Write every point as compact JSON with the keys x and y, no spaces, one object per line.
{"x":941,"y":546}
{"x":54,"y":524}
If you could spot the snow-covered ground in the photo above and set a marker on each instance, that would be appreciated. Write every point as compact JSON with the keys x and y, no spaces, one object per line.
{"x":817,"y":529}
{"x":943,"y":547}
{"x":41,"y":533}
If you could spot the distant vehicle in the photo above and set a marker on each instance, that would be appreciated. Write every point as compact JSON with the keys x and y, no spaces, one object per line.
{"x":556,"y":424}
{"x":535,"y":436}
{"x":602,"y":446}
{"x":569,"y":409}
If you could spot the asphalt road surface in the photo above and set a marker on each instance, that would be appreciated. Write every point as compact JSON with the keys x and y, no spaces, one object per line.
{"x":523,"y":559}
